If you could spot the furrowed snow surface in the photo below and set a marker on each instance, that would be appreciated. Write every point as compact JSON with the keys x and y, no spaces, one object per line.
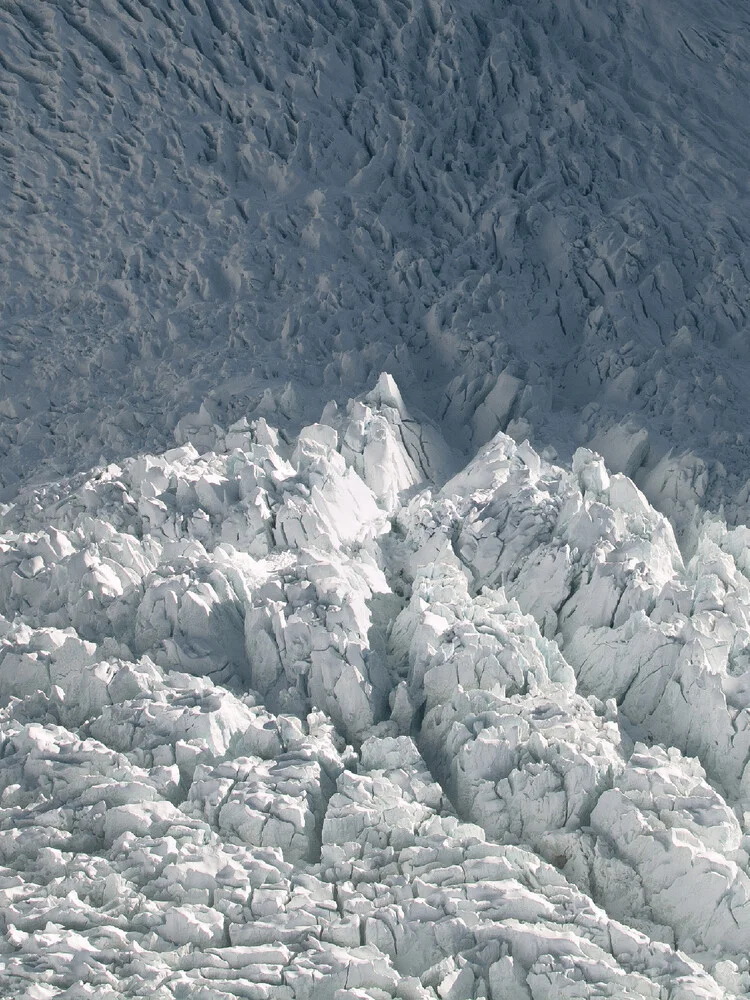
{"x":310,"y":690}
{"x":208,"y":199}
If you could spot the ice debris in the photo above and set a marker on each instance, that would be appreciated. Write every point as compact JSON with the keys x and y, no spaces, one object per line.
{"x":316,"y":717}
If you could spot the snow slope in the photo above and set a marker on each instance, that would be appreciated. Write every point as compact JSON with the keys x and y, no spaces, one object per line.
{"x":208,"y":200}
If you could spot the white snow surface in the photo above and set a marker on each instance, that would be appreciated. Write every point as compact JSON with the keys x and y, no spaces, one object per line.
{"x":316,"y":716}
{"x":374,"y":500}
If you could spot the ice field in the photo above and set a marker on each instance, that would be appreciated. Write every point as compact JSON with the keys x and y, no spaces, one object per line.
{"x":374,"y":500}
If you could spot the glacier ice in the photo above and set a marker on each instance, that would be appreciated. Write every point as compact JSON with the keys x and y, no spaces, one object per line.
{"x":533,"y":215}
{"x":319,"y":716}
{"x":374,"y":567}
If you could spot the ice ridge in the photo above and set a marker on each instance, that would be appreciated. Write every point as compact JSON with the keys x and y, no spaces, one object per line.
{"x":319,"y":716}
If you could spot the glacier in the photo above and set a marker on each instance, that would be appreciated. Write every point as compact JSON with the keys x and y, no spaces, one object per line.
{"x":374,"y":500}
{"x":534,"y":214}
{"x":320,"y":716}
